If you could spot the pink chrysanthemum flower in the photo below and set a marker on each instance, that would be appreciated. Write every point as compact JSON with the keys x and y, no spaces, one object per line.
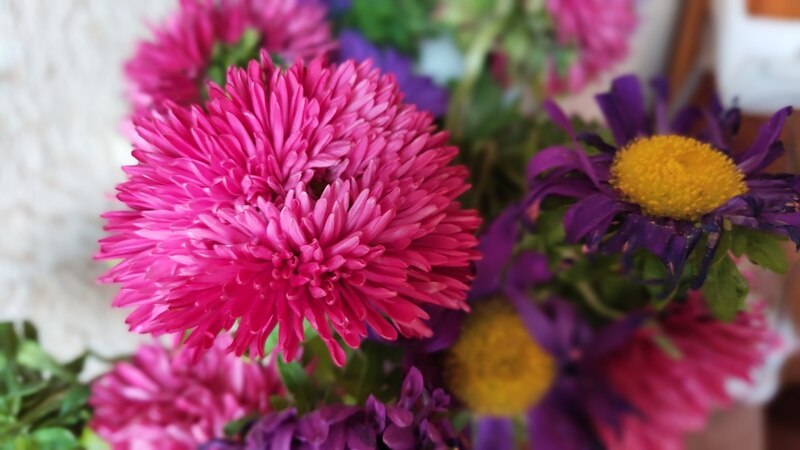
{"x":598,"y":30}
{"x":165,"y":400}
{"x":306,"y":194}
{"x":674,"y":394}
{"x":176,"y":64}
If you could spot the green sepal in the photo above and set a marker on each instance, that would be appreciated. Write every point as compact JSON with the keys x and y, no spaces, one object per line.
{"x":298,"y":383}
{"x":762,"y":249}
{"x":724,"y":289}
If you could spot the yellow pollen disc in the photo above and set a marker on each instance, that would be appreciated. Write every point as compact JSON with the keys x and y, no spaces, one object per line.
{"x":675,"y":176}
{"x":495,"y":367}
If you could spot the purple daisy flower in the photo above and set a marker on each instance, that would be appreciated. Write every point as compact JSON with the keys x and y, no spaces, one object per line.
{"x":417,"y":90}
{"x":512,"y":357}
{"x":414,"y":421}
{"x":662,"y":186}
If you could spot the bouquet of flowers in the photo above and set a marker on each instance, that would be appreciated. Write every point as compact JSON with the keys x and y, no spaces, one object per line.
{"x":367,"y":224}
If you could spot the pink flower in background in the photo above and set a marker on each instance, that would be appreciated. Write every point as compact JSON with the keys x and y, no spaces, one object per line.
{"x":599,"y":30}
{"x":306,"y":194}
{"x":175,"y":64}
{"x":675,"y":394}
{"x":174,"y":400}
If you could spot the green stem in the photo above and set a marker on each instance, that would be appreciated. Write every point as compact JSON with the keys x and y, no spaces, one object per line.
{"x":593,"y":300}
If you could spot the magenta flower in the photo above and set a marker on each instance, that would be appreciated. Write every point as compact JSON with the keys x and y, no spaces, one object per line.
{"x":674,"y":394}
{"x":598,"y":30}
{"x":175,"y":65}
{"x":177,"y":400}
{"x":306,"y":194}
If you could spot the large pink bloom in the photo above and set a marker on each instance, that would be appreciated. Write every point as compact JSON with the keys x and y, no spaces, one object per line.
{"x":173,"y":66}
{"x":599,"y":30}
{"x":164,"y":400}
{"x":311,"y":193}
{"x":674,"y":395}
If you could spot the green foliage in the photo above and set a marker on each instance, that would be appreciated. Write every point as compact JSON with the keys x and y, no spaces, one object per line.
{"x":496,"y":142}
{"x":399,"y":24}
{"x":522,"y":31}
{"x":237,"y":54}
{"x":763,"y":249}
{"x":725,"y":289}
{"x":43,"y":405}
{"x":373,"y":369}
{"x":298,"y":383}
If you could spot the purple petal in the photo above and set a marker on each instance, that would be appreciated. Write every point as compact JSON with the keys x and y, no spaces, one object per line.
{"x":562,"y":158}
{"x":594,"y":140}
{"x":446,"y":326}
{"x":623,"y":108}
{"x":494,"y":433}
{"x":399,"y":438}
{"x":685,"y":120}
{"x":536,"y":321}
{"x":612,"y":337}
{"x":571,"y":332}
{"x":361,"y":437}
{"x":412,"y":387}
{"x":400,"y":416}
{"x":313,"y":429}
{"x":557,"y":424}
{"x":353,"y":46}
{"x":763,"y":151}
{"x":529,"y":269}
{"x":418,"y":90}
{"x":376,"y":413}
{"x":661,"y":88}
{"x":557,"y":115}
{"x":496,"y":244}
{"x":590,"y":215}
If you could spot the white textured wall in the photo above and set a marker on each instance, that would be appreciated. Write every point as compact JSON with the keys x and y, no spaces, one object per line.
{"x":60,"y":105}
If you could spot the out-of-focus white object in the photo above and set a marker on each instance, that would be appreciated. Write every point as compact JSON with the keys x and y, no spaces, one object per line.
{"x":757,"y":59}
{"x":440,"y":59}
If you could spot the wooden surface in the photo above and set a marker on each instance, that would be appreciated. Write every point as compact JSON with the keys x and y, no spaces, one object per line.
{"x":740,"y":428}
{"x":774,"y":8}
{"x":689,"y":32}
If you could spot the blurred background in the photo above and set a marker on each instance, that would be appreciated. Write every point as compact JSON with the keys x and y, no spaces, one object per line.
{"x":61,"y":108}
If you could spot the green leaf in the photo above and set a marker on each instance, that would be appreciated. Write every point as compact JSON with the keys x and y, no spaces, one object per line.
{"x":54,"y":439}
{"x":90,"y":441}
{"x":74,"y":400}
{"x":235,"y":428}
{"x":278,"y":402}
{"x":29,"y":331}
{"x":272,"y":341}
{"x":763,"y":249}
{"x":9,"y":342}
{"x":31,"y":355}
{"x":725,"y":289}
{"x":399,"y":24}
{"x":298,"y":383}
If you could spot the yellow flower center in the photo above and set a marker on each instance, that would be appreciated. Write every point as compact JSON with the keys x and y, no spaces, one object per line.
{"x":495,"y":367}
{"x":675,"y":176}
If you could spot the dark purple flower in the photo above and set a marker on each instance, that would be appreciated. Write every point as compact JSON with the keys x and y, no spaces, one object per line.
{"x":559,"y":367}
{"x":418,"y":90}
{"x":665,"y":186}
{"x":414,"y":421}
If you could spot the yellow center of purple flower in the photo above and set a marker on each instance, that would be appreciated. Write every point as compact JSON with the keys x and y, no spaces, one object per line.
{"x":495,"y":367}
{"x":676,"y":176}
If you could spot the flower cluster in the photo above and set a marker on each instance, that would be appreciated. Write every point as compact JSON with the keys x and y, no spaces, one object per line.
{"x":178,"y":400}
{"x":413,"y":421}
{"x":295,"y":219}
{"x":203,"y":37}
{"x":311,"y":194}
